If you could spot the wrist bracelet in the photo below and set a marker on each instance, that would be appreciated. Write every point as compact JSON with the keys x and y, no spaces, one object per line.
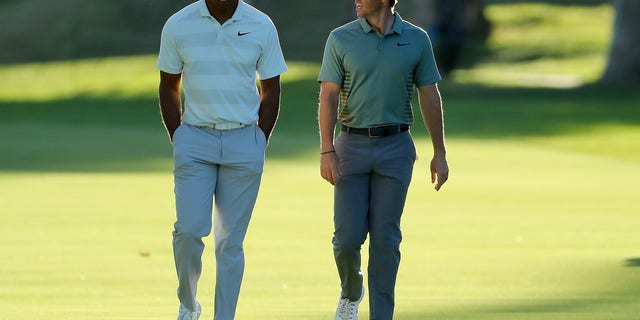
{"x":330,"y":151}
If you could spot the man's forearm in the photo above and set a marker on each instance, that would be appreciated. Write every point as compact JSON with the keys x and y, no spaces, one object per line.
{"x":268,"y":114}
{"x":327,"y":115}
{"x":171,"y":110}
{"x":435,"y":125}
{"x":432,"y":114}
{"x":170,"y":101}
{"x":269,"y":105}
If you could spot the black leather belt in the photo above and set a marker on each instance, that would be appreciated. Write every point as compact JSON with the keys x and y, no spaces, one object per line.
{"x":376,"y":131}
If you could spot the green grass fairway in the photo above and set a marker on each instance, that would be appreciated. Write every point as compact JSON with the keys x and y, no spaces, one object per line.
{"x":539,"y":220}
{"x":521,"y":232}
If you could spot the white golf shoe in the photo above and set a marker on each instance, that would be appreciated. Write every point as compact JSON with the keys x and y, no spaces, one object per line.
{"x":348,"y":310}
{"x":186,"y":314}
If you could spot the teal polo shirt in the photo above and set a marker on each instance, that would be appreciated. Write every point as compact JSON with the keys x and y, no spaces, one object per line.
{"x":378,"y":73}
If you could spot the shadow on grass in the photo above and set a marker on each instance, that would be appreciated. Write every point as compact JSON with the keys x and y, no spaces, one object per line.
{"x":633,"y":262}
{"x":617,"y":301}
{"x":555,"y":2}
{"x":588,"y":309}
{"x":126,"y":134}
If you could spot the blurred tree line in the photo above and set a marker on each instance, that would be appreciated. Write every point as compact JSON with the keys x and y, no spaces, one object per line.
{"x":41,"y":30}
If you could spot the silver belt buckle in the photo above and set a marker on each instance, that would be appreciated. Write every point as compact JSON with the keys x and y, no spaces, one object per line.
{"x":227,"y":126}
{"x":374,"y":136}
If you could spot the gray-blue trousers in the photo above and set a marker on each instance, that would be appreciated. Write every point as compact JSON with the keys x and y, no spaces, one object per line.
{"x":369,"y":197}
{"x":225,"y":166}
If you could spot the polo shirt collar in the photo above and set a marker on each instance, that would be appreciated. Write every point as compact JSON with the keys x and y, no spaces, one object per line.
{"x":395,"y":28}
{"x":238,"y":15}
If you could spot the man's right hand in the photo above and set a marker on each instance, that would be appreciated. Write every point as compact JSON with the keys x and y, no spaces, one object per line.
{"x":329,"y":167}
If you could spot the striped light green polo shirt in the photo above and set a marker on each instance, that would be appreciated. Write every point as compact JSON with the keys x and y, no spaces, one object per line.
{"x":378,"y":74}
{"x":219,"y":62}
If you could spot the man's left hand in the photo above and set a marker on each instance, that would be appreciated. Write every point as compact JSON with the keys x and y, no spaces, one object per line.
{"x":439,"y":171}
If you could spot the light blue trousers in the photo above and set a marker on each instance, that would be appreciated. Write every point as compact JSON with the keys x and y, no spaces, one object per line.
{"x":222,"y":168}
{"x":369,"y":198}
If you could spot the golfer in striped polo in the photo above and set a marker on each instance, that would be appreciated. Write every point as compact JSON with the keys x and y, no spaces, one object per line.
{"x":370,"y":71}
{"x":214,"y":48}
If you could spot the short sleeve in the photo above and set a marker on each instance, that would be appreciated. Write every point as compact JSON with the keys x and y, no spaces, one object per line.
{"x":169,"y":59}
{"x":332,"y":69}
{"x":271,"y":62}
{"x":427,"y":71}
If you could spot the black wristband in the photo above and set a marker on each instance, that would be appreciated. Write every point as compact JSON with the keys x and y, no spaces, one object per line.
{"x":330,"y":151}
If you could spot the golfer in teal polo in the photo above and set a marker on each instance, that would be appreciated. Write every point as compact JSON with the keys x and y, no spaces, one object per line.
{"x":370,"y":71}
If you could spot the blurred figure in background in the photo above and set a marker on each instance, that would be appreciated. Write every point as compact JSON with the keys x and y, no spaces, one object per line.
{"x":454,"y":25}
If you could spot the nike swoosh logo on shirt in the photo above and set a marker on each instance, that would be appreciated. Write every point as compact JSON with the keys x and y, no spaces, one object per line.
{"x":240,"y":34}
{"x":403,"y":44}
